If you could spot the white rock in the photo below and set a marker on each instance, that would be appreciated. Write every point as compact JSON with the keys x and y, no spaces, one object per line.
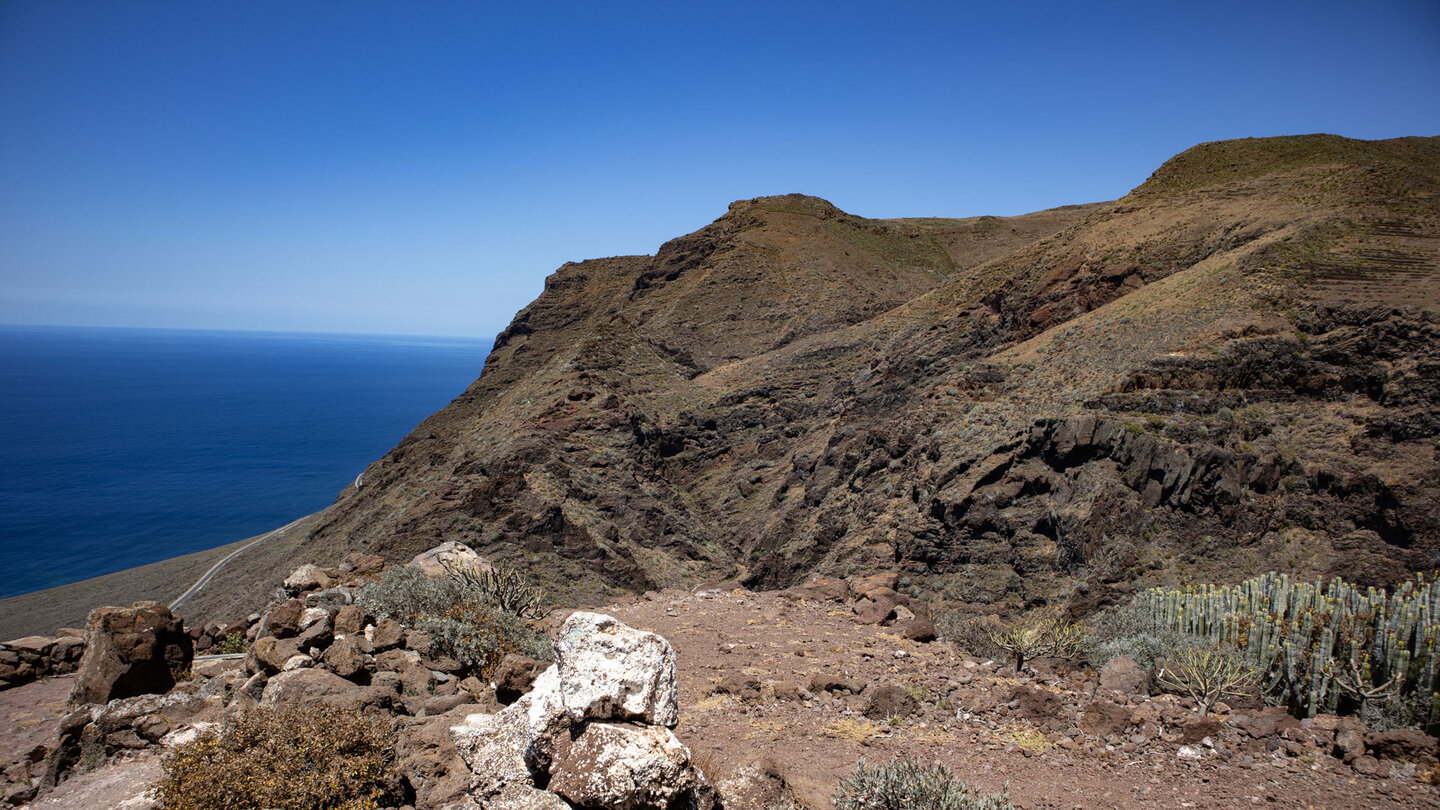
{"x":298,"y":661}
{"x":307,"y":578}
{"x":610,"y":671}
{"x":452,"y":554}
{"x":313,"y":616}
{"x":186,"y":734}
{"x":1190,"y":752}
{"x":623,"y":766}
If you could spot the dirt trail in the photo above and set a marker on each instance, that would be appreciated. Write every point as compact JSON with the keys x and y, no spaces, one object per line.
{"x":813,"y":741}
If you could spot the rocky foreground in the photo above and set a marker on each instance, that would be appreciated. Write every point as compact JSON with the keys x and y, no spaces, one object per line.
{"x":716,"y":698}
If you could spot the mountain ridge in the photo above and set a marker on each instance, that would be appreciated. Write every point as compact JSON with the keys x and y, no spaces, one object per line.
{"x":1230,"y":367}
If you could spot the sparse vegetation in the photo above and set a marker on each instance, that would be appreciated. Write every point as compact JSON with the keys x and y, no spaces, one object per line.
{"x":305,"y":759}
{"x":1036,"y":634}
{"x":1207,"y":675}
{"x":233,"y":644}
{"x":903,"y":784}
{"x":463,"y":618}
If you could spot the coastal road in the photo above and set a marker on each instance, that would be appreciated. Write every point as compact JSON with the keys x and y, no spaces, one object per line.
{"x":200,"y":583}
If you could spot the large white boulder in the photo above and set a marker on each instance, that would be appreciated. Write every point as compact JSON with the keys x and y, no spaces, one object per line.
{"x":611,"y":671}
{"x":557,"y":734}
{"x":455,"y":556}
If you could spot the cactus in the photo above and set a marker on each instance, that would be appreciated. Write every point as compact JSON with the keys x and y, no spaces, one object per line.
{"x":1314,"y":643}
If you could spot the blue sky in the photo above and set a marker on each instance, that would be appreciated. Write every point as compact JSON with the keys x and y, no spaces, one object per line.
{"x":420,"y":166}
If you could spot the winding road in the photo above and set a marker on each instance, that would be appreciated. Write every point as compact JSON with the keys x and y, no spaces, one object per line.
{"x":200,"y":583}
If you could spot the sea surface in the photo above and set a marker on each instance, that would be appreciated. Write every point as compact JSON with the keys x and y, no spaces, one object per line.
{"x":120,"y":447}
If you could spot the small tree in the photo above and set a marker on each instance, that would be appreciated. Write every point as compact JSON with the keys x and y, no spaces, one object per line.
{"x":1036,"y":634}
{"x":1206,"y":674}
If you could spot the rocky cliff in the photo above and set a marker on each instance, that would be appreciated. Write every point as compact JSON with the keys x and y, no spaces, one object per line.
{"x":1235,"y":367}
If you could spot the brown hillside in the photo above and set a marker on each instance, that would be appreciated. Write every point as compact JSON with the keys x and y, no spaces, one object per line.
{"x":1234,"y":367}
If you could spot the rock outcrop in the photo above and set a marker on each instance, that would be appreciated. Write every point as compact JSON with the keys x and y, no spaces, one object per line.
{"x":592,"y":732}
{"x":131,"y":651}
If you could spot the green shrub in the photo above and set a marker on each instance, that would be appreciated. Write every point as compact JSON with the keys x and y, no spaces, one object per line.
{"x":306,"y":759}
{"x":903,"y":784}
{"x":1207,"y":674}
{"x":461,"y":617}
{"x":233,"y":644}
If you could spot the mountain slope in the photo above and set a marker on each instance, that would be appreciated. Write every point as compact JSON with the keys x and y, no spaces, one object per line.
{"x":1232,"y":367}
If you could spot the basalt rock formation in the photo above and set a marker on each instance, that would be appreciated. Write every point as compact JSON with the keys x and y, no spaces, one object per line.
{"x":1232,"y":368}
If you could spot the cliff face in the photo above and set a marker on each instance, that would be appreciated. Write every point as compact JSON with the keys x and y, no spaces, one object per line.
{"x":1232,"y":368}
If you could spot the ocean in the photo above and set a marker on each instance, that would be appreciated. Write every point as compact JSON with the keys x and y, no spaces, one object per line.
{"x":120,"y":447}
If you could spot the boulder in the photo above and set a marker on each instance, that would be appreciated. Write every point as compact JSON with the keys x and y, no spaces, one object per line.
{"x":820,"y":590}
{"x":864,"y":586}
{"x":1102,"y":718}
{"x":131,"y":651}
{"x":745,"y":687}
{"x":283,"y":620}
{"x":449,"y":556}
{"x":559,"y":736}
{"x":303,"y":687}
{"x":611,"y":671}
{"x":514,"y":677}
{"x":889,"y":701}
{"x":349,"y":620}
{"x":365,"y":565}
{"x":1404,"y":744}
{"x":877,"y":610}
{"x":1124,"y":674}
{"x":921,"y":630}
{"x":1035,"y":704}
{"x":306,"y":578}
{"x":346,"y":658}
{"x":628,"y":768}
{"x":498,"y":748}
{"x":387,"y":635}
{"x":269,"y":654}
{"x":829,"y":682}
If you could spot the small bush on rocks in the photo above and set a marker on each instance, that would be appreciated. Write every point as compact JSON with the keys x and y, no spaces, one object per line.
{"x":463,"y":620}
{"x":306,"y":759}
{"x":903,"y":784}
{"x":233,"y":643}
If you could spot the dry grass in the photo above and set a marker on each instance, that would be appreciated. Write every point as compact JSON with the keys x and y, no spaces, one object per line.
{"x":847,"y":728}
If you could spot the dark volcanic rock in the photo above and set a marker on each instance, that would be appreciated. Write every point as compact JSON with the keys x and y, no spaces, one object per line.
{"x":131,"y":651}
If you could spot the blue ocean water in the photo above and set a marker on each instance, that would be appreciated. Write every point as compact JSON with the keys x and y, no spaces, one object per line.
{"x":120,"y":447}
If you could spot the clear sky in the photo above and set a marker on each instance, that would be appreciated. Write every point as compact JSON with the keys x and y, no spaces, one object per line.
{"x":418,"y":166}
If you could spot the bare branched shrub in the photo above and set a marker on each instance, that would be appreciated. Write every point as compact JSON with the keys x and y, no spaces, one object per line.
{"x":1037,"y":634}
{"x":1207,"y":674}
{"x":903,"y":784}
{"x":306,"y":759}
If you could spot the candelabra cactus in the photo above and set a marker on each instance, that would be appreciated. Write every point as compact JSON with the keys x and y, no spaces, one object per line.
{"x":1314,"y":644}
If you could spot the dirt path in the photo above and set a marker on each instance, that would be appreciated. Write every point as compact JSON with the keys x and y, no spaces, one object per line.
{"x":813,"y":741}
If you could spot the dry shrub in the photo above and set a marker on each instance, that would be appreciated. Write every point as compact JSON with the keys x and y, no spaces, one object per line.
{"x":903,"y":784}
{"x":317,"y":758}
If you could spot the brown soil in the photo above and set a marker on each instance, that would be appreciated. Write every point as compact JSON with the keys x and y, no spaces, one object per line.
{"x":813,"y":742}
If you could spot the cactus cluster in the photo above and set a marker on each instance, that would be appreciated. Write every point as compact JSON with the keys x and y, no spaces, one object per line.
{"x":1317,"y":645}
